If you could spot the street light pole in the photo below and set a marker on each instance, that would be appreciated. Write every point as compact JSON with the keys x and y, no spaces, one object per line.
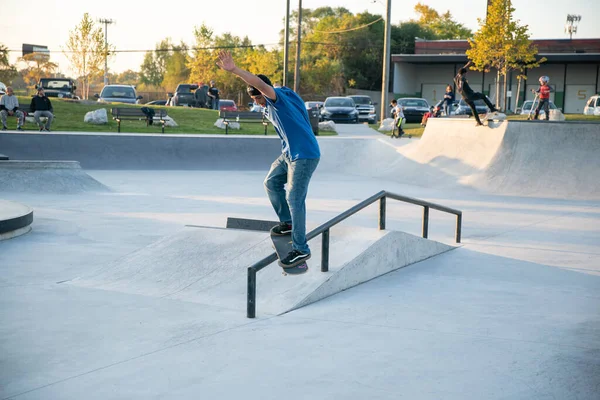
{"x":286,"y":44}
{"x":297,"y":70}
{"x":106,"y":22}
{"x":386,"y":60}
{"x":571,"y":26}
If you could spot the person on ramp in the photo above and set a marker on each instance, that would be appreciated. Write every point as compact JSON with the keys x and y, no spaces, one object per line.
{"x":468,"y":95}
{"x":544,"y":93}
{"x":295,"y":166}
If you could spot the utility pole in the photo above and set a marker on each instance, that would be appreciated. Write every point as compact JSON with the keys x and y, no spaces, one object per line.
{"x":106,"y":22}
{"x":286,"y":44}
{"x":386,"y":60}
{"x":297,"y":70}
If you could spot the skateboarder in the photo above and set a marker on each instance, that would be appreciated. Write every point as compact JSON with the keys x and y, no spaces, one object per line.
{"x":299,"y":159}
{"x":544,"y":97}
{"x":468,"y":95}
{"x":398,"y":115}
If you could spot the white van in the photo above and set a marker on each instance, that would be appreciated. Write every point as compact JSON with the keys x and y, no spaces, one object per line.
{"x":592,"y":106}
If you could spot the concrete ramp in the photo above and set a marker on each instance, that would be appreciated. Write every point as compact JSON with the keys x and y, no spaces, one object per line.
{"x":547,"y":159}
{"x":209,"y":266}
{"x":46,"y":177}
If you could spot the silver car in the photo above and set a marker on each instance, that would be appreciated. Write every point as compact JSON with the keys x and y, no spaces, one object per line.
{"x":118,"y":94}
{"x":526,"y":108}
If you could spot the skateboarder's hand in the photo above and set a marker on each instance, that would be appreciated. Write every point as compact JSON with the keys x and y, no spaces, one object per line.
{"x":226,"y":61}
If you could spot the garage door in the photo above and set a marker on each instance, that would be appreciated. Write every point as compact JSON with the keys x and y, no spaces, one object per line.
{"x":433,"y":92}
{"x":576,"y":96}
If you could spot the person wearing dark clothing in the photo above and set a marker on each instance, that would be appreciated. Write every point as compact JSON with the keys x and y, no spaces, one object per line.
{"x":42,"y":107}
{"x":213,"y":93}
{"x":468,"y":95}
{"x":201,"y":95}
{"x":544,"y":93}
{"x":448,"y":100}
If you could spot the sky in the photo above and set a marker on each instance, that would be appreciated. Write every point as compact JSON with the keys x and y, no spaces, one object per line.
{"x":140,"y":25}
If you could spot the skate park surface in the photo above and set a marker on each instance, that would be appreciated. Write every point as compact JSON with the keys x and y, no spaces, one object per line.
{"x":128,"y":285}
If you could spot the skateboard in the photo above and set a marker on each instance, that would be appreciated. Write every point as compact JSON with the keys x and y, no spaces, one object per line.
{"x":398,"y":136}
{"x":495,"y":116}
{"x":283,"y":245}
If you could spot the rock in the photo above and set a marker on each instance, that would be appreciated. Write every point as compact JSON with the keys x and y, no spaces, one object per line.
{"x":327,"y":126}
{"x":168,"y":121}
{"x":387,"y":125}
{"x":232,"y":125}
{"x":556,"y":115}
{"x":96,"y":117}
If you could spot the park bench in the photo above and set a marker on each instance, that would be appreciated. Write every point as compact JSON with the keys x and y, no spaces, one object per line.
{"x":243,"y":117}
{"x":136,"y":114}
{"x":26,"y":108}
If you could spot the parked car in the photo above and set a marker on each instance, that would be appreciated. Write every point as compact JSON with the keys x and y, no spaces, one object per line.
{"x":464,"y":109}
{"x":118,"y":94}
{"x":339,"y":109}
{"x":313,"y":104}
{"x":2,"y":89}
{"x":526,"y":108}
{"x":184,"y":95}
{"x":58,"y":87}
{"x":227,"y":105}
{"x":592,"y":106}
{"x":413,"y":108}
{"x":365,"y":107}
{"x":157,"y":103}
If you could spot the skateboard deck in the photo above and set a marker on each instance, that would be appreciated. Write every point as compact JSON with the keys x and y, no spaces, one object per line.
{"x":496,"y":117}
{"x":283,"y":245}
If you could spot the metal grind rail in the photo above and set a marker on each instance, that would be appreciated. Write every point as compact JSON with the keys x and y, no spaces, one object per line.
{"x":324,"y":231}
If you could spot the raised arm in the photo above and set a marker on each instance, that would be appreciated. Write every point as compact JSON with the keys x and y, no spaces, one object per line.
{"x":226,"y":63}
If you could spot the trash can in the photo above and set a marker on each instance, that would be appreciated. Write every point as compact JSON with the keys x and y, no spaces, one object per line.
{"x":313,"y":116}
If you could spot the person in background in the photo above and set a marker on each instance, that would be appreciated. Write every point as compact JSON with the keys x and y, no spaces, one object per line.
{"x":213,"y":93}
{"x":398,"y":115}
{"x":426,"y":116}
{"x":9,"y":107}
{"x":42,"y":107}
{"x":201,"y":95}
{"x":448,"y":100}
{"x":544,"y":93}
{"x":469,"y":96}
{"x":287,"y":181}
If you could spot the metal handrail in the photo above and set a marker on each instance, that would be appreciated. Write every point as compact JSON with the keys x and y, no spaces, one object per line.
{"x":324,"y":230}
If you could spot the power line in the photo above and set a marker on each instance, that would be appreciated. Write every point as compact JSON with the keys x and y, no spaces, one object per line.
{"x":352,"y":29}
{"x":175,"y":49}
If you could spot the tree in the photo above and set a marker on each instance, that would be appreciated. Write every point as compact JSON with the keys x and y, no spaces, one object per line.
{"x":86,"y":50}
{"x":127,"y":77}
{"x":38,"y":65}
{"x":441,"y":26}
{"x":502,"y":43}
{"x":154,"y":66}
{"x":7,"y":71}
{"x":176,"y":70}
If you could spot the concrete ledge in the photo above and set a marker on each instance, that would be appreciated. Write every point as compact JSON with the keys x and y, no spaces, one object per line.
{"x":15,"y":219}
{"x":39,"y":164}
{"x":27,"y":176}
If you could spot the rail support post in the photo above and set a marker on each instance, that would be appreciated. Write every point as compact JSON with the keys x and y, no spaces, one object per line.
{"x":382,"y":214}
{"x":458,"y":227}
{"x":425,"y":221}
{"x":325,"y":251}
{"x":251,"y":305}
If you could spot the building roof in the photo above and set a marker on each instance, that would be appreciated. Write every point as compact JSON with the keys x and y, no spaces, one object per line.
{"x":579,"y":58}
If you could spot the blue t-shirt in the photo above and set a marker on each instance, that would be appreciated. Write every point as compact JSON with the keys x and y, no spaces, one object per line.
{"x":289,"y":116}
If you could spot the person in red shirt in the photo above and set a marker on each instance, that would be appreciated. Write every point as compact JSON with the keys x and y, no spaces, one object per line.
{"x":544,"y":93}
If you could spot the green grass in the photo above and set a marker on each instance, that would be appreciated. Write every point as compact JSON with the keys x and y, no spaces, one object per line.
{"x":414,"y":129}
{"x":69,"y":117}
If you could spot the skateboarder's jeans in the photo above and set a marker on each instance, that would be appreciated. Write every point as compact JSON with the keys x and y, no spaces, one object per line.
{"x":291,"y":206}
